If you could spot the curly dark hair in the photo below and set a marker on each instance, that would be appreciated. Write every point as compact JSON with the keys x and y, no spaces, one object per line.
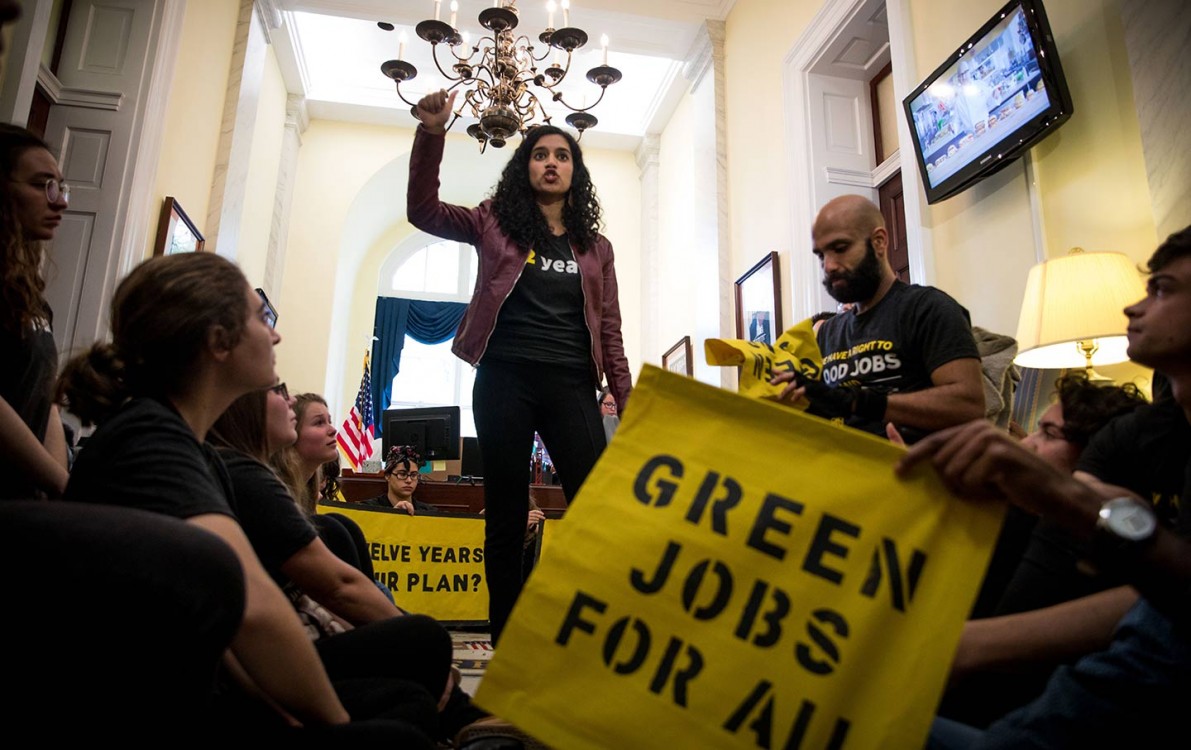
{"x":517,"y":210}
{"x":405,"y":455}
{"x":1088,"y":406}
{"x":22,"y":288}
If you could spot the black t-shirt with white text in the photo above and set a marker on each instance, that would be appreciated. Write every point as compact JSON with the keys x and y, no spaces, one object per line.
{"x":542,"y":319}
{"x":894,"y":346}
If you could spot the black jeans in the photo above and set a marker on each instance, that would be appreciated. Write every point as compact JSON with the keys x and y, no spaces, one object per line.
{"x":115,"y":620}
{"x":511,"y":401}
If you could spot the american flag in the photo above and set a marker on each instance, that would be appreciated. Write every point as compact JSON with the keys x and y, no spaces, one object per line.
{"x":355,"y":437}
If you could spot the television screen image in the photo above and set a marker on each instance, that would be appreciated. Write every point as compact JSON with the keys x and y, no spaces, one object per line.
{"x":999,"y":93}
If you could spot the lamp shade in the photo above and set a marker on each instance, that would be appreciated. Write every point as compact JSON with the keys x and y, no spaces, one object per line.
{"x":1079,"y":297}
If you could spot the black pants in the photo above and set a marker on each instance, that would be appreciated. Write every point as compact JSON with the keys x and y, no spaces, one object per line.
{"x":115,"y":620}
{"x":511,"y":402}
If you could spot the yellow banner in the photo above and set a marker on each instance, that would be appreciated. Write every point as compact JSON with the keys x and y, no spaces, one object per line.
{"x":796,"y":349}
{"x":737,"y":574}
{"x":434,"y":565}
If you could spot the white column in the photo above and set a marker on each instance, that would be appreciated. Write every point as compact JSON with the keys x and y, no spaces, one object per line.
{"x":226,"y":207}
{"x":651,"y":296}
{"x":715,"y":316}
{"x":296,"y":122}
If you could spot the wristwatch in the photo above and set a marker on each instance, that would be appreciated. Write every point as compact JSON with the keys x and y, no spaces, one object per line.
{"x":1124,"y":525}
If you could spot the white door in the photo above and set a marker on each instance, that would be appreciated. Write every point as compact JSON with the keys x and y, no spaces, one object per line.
{"x":95,"y":127}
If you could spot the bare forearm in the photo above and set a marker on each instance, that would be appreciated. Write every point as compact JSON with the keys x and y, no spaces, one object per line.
{"x":28,"y":456}
{"x":341,"y":588}
{"x":1045,"y":636}
{"x":55,"y":438}
{"x":271,"y":644}
{"x":359,"y":601}
{"x":935,"y":408}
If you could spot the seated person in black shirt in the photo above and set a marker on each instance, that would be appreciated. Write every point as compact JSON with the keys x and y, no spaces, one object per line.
{"x":412,"y":653}
{"x":998,"y":664}
{"x":189,"y":337}
{"x":402,"y":476}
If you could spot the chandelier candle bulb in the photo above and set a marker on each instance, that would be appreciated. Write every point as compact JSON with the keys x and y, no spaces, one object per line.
{"x":604,"y":44}
{"x":455,"y":10}
{"x":550,"y":6}
{"x":401,"y":46}
{"x":437,"y":3}
{"x":566,"y":13}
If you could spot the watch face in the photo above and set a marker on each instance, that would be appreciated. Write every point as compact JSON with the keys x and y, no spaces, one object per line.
{"x":1128,"y":519}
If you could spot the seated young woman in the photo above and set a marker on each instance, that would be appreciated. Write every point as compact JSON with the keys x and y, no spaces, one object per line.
{"x":189,"y":337}
{"x":374,"y":639}
{"x":402,"y":477}
{"x":303,"y":463}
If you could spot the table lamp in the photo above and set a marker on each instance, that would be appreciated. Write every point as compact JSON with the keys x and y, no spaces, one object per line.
{"x":1072,"y":313}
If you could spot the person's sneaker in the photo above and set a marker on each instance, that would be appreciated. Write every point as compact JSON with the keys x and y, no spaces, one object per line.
{"x":493,"y":733}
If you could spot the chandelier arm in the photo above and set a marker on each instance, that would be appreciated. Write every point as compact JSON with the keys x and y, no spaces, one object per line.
{"x":402,"y":96}
{"x":603,"y":90}
{"x":437,"y":64}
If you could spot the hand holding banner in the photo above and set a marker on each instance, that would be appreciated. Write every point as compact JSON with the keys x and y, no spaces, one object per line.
{"x":737,"y":574}
{"x":795,"y":350}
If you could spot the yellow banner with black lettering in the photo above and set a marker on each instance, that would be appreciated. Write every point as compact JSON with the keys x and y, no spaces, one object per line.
{"x":796,"y":350}
{"x":737,"y":574}
{"x":433,"y":565}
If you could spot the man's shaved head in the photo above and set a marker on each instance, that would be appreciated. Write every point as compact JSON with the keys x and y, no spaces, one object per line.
{"x":854,"y":211}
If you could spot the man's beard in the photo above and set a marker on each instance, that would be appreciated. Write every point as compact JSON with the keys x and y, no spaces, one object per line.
{"x":859,"y":284}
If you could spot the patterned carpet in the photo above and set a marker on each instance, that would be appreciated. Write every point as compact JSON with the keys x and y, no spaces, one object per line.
{"x":473,"y":649}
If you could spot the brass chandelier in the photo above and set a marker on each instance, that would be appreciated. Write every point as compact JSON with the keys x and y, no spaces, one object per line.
{"x":500,"y":72}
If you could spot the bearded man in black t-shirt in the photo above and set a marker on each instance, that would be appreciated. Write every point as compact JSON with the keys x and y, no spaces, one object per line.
{"x":903,"y":355}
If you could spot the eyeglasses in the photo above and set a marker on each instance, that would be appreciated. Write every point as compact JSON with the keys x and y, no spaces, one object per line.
{"x":609,"y":404}
{"x":54,"y":189}
{"x":268,"y":312}
{"x":280,"y":390}
{"x":403,"y":475}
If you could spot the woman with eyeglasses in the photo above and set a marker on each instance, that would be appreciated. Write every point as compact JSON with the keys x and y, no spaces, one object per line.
{"x":189,"y":337}
{"x":402,"y":476}
{"x":542,"y":329}
{"x":32,"y":441}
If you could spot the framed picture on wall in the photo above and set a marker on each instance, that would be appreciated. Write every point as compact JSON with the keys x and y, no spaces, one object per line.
{"x":176,"y":233}
{"x":759,"y":302}
{"x":677,"y":358}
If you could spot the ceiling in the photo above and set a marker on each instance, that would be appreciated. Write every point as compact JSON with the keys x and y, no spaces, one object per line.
{"x":330,"y":51}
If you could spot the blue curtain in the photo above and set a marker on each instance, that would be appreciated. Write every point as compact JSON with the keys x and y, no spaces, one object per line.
{"x":425,"y":322}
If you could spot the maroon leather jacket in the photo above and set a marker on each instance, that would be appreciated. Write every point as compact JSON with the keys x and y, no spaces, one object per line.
{"x":501,"y":263}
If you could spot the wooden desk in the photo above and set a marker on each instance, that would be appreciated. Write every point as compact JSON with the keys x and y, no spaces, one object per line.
{"x":449,"y":496}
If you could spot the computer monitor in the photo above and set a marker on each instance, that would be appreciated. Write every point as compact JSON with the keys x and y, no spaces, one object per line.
{"x":433,"y":431}
{"x":472,"y":466}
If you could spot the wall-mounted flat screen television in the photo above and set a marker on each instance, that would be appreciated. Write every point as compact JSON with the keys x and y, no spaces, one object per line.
{"x":433,"y":431}
{"x":1000,"y":93}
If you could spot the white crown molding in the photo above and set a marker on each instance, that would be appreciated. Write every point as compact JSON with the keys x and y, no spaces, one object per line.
{"x":270,"y":17}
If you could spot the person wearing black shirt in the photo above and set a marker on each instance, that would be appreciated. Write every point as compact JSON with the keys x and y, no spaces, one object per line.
{"x":543,"y":326}
{"x":903,"y":354}
{"x":1132,"y":692}
{"x":189,"y":337}
{"x":402,"y":477}
{"x":33,"y":197}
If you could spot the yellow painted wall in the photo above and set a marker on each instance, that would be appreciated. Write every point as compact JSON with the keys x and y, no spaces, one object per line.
{"x":758,"y":35}
{"x":261,"y":190}
{"x":334,"y":162}
{"x":190,"y":138}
